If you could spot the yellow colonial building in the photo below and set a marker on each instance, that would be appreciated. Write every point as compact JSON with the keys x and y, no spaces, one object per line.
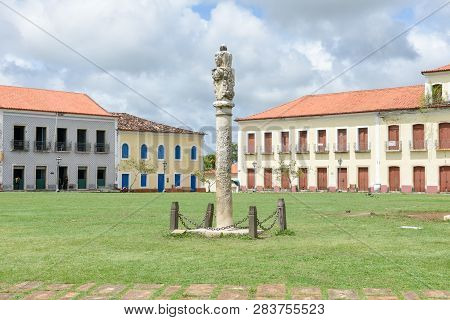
{"x":175,"y":155}
{"x":393,"y":139}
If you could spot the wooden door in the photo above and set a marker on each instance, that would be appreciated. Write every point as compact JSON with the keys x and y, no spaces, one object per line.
{"x":267,"y":178}
{"x":418,"y":137}
{"x":285,"y":142}
{"x":419,"y":179}
{"x":268,"y":142}
{"x":394,"y":178}
{"x":251,"y":178}
{"x":285,"y":179}
{"x":363,"y":140}
{"x":342,"y":178}
{"x":303,"y":141}
{"x":251,"y":143}
{"x":322,"y":180}
{"x":303,"y":179}
{"x":444,"y":136}
{"x":363,"y":179}
{"x":444,"y":179}
{"x":342,"y":139}
{"x":322,"y":140}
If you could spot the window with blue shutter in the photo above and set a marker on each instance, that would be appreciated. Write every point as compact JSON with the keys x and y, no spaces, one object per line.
{"x":177,"y":179}
{"x":144,"y":151}
{"x":161,"y":152}
{"x":143,"y":179}
{"x":177,"y":152}
{"x":194,"y":153}
{"x":125,"y":151}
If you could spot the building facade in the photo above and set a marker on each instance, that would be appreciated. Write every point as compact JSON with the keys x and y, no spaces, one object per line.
{"x":175,"y":155}
{"x":54,"y":140}
{"x":395,"y":139}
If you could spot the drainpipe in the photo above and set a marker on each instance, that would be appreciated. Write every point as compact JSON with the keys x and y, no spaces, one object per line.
{"x":377,"y":152}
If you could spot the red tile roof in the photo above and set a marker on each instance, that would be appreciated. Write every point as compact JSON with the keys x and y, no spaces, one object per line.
{"x":346,"y":102}
{"x":128,"y":122}
{"x":234,"y":169}
{"x":29,"y":99}
{"x":440,"y":69}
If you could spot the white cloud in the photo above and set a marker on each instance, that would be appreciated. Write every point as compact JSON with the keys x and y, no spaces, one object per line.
{"x":164,"y":50}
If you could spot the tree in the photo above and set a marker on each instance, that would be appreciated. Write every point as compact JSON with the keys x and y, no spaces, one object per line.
{"x":136,"y":166}
{"x":291,"y":168}
{"x":234,"y":153}
{"x":209,"y":162}
{"x":202,"y":176}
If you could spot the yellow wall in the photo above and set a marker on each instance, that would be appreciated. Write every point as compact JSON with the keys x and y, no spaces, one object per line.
{"x":378,"y":160}
{"x":185,"y":166}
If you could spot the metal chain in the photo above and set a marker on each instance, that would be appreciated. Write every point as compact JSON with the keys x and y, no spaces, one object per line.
{"x":235,"y":225}
{"x":260,"y":223}
{"x":196,"y":225}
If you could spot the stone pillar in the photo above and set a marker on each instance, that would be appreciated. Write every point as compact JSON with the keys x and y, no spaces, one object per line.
{"x":224,"y":208}
{"x":223,"y":77}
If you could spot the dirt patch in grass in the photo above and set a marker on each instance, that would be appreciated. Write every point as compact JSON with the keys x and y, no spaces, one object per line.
{"x":429,"y":216}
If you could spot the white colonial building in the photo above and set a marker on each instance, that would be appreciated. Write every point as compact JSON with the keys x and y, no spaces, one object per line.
{"x":394,"y":139}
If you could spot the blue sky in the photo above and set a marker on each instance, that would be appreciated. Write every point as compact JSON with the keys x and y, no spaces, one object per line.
{"x":164,"y":50}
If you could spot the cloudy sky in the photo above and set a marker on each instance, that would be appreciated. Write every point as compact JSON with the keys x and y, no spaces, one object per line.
{"x":163,"y":50}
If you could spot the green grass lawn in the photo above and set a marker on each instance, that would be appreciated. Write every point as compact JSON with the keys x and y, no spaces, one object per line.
{"x":123,"y":238}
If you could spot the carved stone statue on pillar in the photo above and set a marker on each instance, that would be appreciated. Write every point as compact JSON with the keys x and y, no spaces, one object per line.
{"x":223,"y":77}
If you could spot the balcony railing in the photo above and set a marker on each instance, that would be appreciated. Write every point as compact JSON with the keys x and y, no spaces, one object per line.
{"x":321,"y":148}
{"x":393,"y":146}
{"x":302,"y":148}
{"x":250,"y":150}
{"x":267,"y":150}
{"x":63,"y":146}
{"x":42,"y":146}
{"x":442,"y":145}
{"x":339,"y":148}
{"x":362,"y":147}
{"x":20,"y":145}
{"x":418,"y":145}
{"x":83,"y":147}
{"x":285,"y":148}
{"x":101,"y":148}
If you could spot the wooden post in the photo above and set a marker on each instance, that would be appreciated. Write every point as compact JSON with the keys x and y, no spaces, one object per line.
{"x":281,"y":207}
{"x":174,"y":212}
{"x":252,"y":224}
{"x":209,"y":215}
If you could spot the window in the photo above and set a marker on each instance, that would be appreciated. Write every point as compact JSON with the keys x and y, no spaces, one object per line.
{"x":161,"y":152}
{"x":302,"y":141}
{"x":393,"y":138}
{"x":143,"y":180}
{"x":177,"y":153}
{"x":444,"y":135}
{"x":177,"y":179}
{"x":61,"y":139}
{"x":125,"y":151}
{"x":436,"y":92}
{"x":194,"y":153}
{"x":144,"y":151}
{"x":341,"y":140}
{"x":322,"y":141}
{"x":418,"y":137}
{"x":251,"y":143}
{"x":101,"y":145}
{"x":268,"y":142}
{"x":285,"y":142}
{"x":41,"y":139}
{"x":81,"y":140}
{"x":363,"y":140}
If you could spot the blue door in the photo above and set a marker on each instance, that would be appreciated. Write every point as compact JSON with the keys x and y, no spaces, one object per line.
{"x":193,"y":183}
{"x":125,"y":180}
{"x":161,"y":179}
{"x":177,"y":179}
